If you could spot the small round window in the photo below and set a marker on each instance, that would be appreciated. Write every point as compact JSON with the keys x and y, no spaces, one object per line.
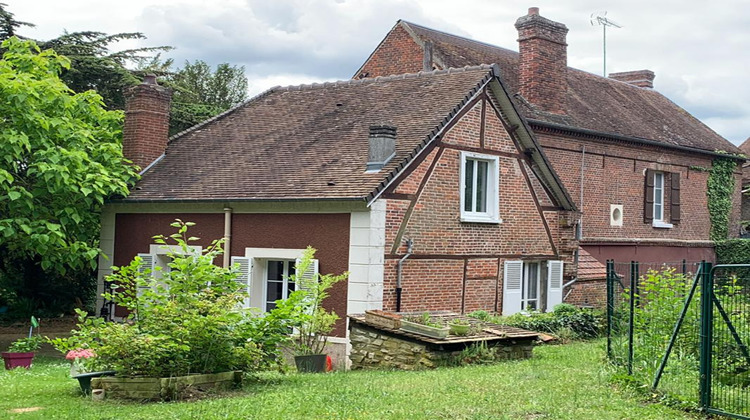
{"x":617,"y":215}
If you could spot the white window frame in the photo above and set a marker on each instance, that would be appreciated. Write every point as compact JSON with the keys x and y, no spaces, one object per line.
{"x":658,"y":220}
{"x":493,"y":189}
{"x":659,"y":196}
{"x":258,"y":262}
{"x":284,"y":280}
{"x":525,"y":286}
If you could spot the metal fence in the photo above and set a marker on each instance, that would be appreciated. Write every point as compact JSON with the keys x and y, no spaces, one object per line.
{"x":683,"y":328}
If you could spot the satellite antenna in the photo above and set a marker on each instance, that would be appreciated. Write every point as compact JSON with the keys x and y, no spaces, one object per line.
{"x":602,"y":20}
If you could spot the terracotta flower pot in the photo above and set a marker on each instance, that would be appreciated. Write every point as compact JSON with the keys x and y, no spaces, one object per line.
{"x":15,"y":360}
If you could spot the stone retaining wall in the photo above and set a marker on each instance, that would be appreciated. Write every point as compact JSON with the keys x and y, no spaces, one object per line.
{"x":377,"y":349}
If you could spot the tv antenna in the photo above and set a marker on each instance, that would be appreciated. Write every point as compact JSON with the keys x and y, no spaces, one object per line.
{"x":602,"y":20}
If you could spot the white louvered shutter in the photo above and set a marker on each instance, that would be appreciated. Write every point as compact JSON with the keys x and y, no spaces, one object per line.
{"x":554,"y":284}
{"x":245,"y":279}
{"x":148,"y":264}
{"x":309,"y":276}
{"x":512,"y":280}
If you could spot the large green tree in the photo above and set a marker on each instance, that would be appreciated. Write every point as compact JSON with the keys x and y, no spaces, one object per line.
{"x":200,"y":93}
{"x":60,"y":158}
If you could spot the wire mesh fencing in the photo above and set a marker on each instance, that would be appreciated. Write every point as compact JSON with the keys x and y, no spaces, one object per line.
{"x":683,"y":329}
{"x":647,"y":300}
{"x":727,"y":385}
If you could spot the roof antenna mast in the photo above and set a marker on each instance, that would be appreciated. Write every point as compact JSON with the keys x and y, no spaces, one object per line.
{"x":602,"y":20}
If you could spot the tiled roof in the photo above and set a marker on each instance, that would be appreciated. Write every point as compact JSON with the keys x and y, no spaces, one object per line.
{"x":589,"y":268}
{"x":593,"y":102}
{"x":745,"y":147}
{"x":307,"y":142}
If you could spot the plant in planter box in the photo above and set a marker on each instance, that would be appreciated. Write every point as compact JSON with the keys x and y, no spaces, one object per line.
{"x":459,"y":327}
{"x":313,"y":321}
{"x":21,"y":352}
{"x":424,"y":325}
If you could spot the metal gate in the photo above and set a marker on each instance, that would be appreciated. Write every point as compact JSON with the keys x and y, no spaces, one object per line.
{"x":684,"y":329}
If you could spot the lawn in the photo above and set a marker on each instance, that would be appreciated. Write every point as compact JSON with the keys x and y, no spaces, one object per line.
{"x":560,"y":382}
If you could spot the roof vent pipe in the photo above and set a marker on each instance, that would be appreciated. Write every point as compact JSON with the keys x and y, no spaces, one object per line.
{"x":382,"y":146}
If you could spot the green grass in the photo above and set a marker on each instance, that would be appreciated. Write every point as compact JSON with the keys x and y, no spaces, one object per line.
{"x":560,"y":382}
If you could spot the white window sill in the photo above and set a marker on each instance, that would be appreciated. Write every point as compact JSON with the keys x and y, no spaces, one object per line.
{"x":661,"y":225}
{"x":470,"y":218}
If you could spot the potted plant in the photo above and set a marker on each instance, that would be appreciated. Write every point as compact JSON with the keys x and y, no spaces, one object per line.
{"x":21,"y":352}
{"x":459,"y":326}
{"x":313,"y":323}
{"x":424,"y":325}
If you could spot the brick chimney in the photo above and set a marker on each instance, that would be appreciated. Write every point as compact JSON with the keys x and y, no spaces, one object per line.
{"x":543,"y":61}
{"x":640,"y":78}
{"x":146,"y":130}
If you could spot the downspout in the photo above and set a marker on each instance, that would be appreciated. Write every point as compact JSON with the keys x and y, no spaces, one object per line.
{"x":570,"y":283}
{"x":227,"y":236}
{"x":409,"y":244}
{"x":583,"y":170}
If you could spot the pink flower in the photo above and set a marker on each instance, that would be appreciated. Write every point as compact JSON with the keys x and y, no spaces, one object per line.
{"x":80,"y":354}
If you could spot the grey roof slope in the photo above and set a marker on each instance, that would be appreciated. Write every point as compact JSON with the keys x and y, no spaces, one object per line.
{"x":594,"y":103}
{"x":307,"y":142}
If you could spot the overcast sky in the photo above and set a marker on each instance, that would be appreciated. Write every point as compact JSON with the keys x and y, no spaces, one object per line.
{"x":700,"y":52}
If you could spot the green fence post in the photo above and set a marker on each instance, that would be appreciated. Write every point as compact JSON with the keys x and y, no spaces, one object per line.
{"x":610,"y":306}
{"x":706,"y":335}
{"x":631,"y":322}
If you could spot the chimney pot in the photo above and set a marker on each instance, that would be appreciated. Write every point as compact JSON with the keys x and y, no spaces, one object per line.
{"x":533,"y":10}
{"x":149,"y":79}
{"x":382,"y":146}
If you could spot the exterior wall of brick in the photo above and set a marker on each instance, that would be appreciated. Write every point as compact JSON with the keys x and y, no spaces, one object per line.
{"x":457,"y":265}
{"x":398,"y":53}
{"x":328,"y":233}
{"x":146,"y":129}
{"x":588,"y":293}
{"x":614,"y":171}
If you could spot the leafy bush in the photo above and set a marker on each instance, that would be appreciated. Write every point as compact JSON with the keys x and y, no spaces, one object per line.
{"x":312,"y":321}
{"x":184,"y":320}
{"x":565,"y":321}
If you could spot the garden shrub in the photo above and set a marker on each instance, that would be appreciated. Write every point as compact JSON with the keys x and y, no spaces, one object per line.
{"x":565,"y":321}
{"x":186,"y":320}
{"x":660,"y":298}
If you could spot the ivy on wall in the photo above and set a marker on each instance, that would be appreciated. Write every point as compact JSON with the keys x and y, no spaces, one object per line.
{"x":719,"y":192}
{"x":733,"y":251}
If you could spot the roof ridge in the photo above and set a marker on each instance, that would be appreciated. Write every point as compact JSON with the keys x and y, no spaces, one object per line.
{"x":457,"y":36}
{"x":487,"y":44}
{"x":380,"y":79}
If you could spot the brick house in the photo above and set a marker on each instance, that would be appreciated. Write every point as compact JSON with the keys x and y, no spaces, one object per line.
{"x":634,"y":162}
{"x":745,"y":147}
{"x":428,"y":188}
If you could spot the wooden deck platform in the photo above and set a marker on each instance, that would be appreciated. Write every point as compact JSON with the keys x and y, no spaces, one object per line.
{"x":489,"y":332}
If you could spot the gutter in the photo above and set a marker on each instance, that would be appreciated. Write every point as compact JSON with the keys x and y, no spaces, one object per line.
{"x":632,"y":139}
{"x":225,"y":200}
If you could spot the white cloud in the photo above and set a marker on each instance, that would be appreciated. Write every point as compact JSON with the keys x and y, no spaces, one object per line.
{"x":695,"y":49}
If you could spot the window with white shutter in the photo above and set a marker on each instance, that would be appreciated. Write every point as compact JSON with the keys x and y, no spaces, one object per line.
{"x":245,"y":278}
{"x":554,"y":284}
{"x":148,"y":266}
{"x":512,"y":287}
